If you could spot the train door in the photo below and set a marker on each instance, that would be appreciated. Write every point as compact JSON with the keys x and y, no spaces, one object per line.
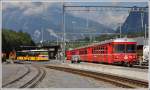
{"x":68,"y":55}
{"x":89,"y":54}
{"x":109,"y":53}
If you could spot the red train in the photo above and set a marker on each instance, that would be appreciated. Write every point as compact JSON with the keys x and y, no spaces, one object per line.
{"x":120,"y":50}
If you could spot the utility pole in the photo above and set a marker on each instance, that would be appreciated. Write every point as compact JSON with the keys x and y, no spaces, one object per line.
{"x":145,"y":35}
{"x":145,"y":31}
{"x":120,"y":30}
{"x":142,"y":21}
{"x":64,"y":31}
{"x":87,"y":25}
{"x":57,"y":40}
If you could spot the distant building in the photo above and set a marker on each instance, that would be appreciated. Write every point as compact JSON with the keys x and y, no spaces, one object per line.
{"x":141,"y":40}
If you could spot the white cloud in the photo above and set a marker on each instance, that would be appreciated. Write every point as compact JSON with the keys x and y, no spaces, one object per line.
{"x":37,"y":9}
{"x":36,"y":34}
{"x":28,"y":8}
{"x":52,"y":33}
{"x":113,"y":19}
{"x":106,"y":17}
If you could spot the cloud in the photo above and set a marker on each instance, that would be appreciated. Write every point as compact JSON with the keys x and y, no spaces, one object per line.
{"x":36,"y":9}
{"x":36,"y":34}
{"x":113,"y":19}
{"x":51,"y":32}
{"x":107,"y":17}
{"x":28,"y":8}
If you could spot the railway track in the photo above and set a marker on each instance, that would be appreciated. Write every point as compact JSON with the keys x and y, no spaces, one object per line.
{"x":33,"y":82}
{"x":11,"y":82}
{"x":115,"y":80}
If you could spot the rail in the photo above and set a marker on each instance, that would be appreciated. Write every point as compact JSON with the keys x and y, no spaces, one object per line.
{"x":33,"y":82}
{"x":19,"y":78}
{"x":115,"y":80}
{"x":36,"y":79}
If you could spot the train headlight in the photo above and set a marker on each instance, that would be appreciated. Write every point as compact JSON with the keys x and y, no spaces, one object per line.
{"x":125,"y":57}
{"x":130,"y":57}
{"x":116,"y":57}
{"x":133,"y":56}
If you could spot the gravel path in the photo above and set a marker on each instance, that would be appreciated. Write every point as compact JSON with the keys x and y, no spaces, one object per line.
{"x":59,"y":79}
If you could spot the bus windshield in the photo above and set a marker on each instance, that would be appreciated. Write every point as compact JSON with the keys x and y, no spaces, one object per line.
{"x":122,"y":48}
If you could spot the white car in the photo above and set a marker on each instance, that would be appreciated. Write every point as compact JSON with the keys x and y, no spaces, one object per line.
{"x":75,"y":58}
{"x":146,"y":54}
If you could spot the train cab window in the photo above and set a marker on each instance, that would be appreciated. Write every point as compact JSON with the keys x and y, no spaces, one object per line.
{"x":119,"y":48}
{"x":131,"y":48}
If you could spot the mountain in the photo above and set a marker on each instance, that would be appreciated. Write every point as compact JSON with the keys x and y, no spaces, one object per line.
{"x":133,"y":23}
{"x":51,"y":20}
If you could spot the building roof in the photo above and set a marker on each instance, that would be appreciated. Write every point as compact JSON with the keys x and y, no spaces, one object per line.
{"x":141,"y":41}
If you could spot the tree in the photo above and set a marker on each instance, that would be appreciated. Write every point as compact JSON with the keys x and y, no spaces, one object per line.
{"x":13,"y":40}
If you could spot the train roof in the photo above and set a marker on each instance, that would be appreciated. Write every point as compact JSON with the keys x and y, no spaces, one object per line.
{"x":111,"y":40}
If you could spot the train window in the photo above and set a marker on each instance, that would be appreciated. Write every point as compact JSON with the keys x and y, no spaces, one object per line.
{"x":130,"y":48}
{"x":102,"y":52}
{"x":119,"y":48}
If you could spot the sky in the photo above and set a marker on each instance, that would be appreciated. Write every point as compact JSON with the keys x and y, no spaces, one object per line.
{"x":109,"y":18}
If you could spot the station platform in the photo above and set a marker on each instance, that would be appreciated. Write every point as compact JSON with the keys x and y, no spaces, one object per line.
{"x":133,"y":73}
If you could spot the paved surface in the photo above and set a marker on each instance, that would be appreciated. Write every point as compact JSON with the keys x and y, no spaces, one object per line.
{"x":135,"y":73}
{"x":116,"y":67}
{"x":53,"y":79}
{"x":59,"y":79}
{"x":11,"y":72}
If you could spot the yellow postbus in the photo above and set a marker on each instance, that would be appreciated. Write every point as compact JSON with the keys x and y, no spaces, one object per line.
{"x":33,"y":55}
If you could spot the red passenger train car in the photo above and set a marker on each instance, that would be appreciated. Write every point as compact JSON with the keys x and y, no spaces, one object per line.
{"x":120,"y":50}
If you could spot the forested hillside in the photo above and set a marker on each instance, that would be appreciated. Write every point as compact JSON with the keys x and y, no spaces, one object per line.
{"x":12,"y":40}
